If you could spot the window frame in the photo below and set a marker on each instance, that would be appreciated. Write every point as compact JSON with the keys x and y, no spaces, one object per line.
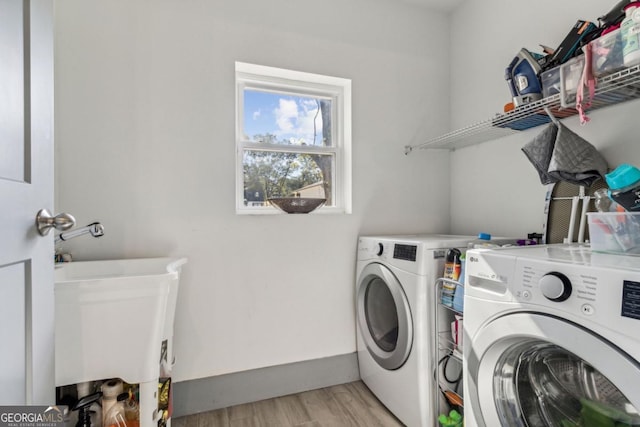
{"x":278,"y":80}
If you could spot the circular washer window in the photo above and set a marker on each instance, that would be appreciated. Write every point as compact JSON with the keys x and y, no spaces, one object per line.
{"x":384,"y":316}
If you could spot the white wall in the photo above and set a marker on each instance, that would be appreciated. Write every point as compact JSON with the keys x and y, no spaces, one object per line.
{"x":145,"y":144}
{"x":494,"y":187}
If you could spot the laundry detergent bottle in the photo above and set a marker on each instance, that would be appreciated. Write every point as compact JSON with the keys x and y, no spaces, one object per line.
{"x":483,"y":241}
{"x":452,"y":268}
{"x":452,"y":264}
{"x":624,"y":186}
{"x":630,"y":31}
{"x":458,"y":296}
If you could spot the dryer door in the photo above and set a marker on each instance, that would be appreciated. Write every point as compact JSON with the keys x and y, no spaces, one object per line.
{"x":384,"y":316}
{"x":528,"y":369}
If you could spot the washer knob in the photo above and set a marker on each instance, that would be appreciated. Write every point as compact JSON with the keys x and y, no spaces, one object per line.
{"x":555,"y":286}
{"x":380,"y":249}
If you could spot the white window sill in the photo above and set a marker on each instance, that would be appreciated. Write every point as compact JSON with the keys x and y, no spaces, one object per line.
{"x":275,"y":211}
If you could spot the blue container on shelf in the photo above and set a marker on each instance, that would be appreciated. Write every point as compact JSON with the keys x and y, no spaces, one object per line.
{"x":458,"y":299}
{"x":458,"y":296}
{"x":624,"y":186}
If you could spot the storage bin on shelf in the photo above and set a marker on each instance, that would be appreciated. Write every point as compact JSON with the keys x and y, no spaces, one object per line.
{"x":606,"y":58}
{"x":615,"y":232}
{"x":570,"y":74}
{"x":564,"y":80}
{"x":550,"y":81}
{"x":606,"y":54}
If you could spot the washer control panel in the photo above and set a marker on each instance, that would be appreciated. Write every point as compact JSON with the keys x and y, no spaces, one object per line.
{"x":596,"y":293}
{"x":564,"y":281}
{"x":557,"y":284}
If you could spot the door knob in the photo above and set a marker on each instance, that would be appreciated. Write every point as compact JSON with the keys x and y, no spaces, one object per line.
{"x":45,"y":221}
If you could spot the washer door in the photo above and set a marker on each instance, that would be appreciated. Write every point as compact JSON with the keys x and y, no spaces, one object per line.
{"x":384,"y":316}
{"x":529,"y":369}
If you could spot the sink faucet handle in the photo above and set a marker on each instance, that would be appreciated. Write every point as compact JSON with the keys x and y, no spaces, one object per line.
{"x":96,"y":229}
{"x":45,"y":221}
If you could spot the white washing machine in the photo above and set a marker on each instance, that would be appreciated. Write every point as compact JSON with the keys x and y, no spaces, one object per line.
{"x":395,"y":279}
{"x":551,"y":337}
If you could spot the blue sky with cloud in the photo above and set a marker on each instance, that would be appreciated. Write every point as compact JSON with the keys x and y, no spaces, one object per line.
{"x":289,"y":117}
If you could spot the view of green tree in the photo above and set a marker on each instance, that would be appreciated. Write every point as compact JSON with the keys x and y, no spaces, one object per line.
{"x":281,"y":120}
{"x":277,"y":174}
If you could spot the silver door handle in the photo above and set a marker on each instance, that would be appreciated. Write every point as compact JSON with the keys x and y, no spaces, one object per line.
{"x":45,"y":221}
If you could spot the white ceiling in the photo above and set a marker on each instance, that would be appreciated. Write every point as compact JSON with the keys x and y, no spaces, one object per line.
{"x":444,"y":5}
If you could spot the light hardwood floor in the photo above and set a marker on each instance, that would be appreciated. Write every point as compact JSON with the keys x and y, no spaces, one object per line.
{"x":349,"y":404}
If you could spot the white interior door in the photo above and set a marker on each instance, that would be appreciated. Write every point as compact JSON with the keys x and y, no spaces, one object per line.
{"x":26,"y":186}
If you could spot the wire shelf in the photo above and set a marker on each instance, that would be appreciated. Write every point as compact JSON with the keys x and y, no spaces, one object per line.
{"x":448,"y":346}
{"x":610,"y":90}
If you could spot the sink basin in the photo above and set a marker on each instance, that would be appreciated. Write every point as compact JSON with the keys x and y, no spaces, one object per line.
{"x":112,"y":318}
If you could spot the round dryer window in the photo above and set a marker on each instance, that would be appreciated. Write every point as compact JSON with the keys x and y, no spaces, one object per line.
{"x":551,"y":386}
{"x":384,"y":316}
{"x":529,"y":370}
{"x":381,"y":314}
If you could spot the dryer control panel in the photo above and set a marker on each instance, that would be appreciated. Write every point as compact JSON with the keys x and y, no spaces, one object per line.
{"x":405,"y":252}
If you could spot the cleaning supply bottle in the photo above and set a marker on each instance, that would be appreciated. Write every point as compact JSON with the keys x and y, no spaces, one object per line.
{"x":452,"y":272}
{"x":630,"y":33}
{"x":110,"y":391}
{"x":603,"y":202}
{"x":94,"y":410}
{"x":115,"y":416}
{"x":131,"y":409}
{"x":452,"y":264}
{"x":458,"y":296}
{"x":463,"y":262}
{"x":483,"y":241}
{"x":83,"y":407}
{"x":624,"y":185}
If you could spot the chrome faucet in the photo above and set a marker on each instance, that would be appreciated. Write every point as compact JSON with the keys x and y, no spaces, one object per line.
{"x":96,"y":230}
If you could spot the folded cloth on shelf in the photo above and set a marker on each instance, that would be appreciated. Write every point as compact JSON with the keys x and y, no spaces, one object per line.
{"x":558,"y":154}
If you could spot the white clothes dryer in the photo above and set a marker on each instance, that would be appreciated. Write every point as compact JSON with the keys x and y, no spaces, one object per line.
{"x":551,"y":337}
{"x":395,"y":287}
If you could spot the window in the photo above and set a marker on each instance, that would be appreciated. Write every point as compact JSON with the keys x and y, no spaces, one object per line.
{"x":293,"y":138}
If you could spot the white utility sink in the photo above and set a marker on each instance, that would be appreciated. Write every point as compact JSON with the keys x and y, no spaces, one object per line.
{"x":112,"y":318}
